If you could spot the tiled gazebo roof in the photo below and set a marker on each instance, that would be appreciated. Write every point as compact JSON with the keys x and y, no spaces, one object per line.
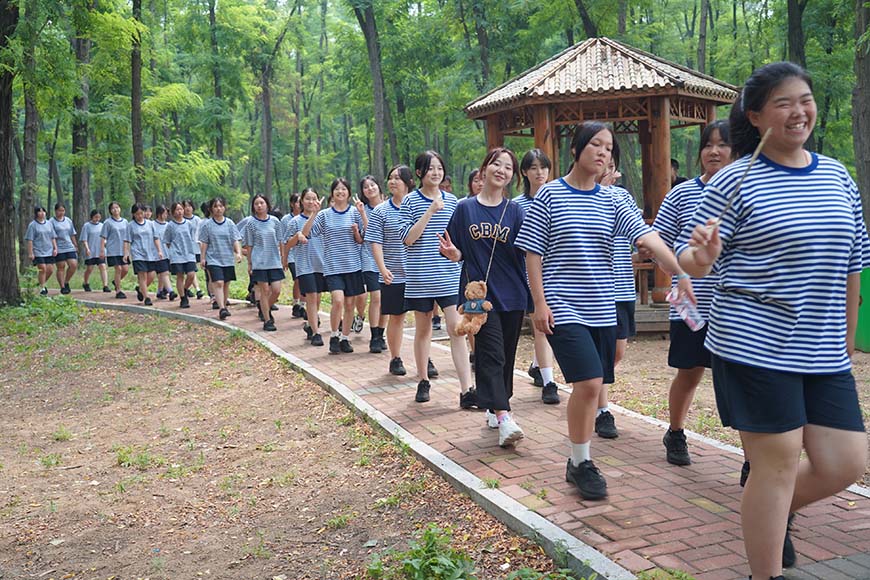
{"x":599,"y":67}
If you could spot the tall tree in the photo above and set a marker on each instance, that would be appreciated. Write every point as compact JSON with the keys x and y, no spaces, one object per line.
{"x":797,"y":44}
{"x":861,"y":102}
{"x":29,"y":33}
{"x":702,"y":36}
{"x":216,"y":78}
{"x":136,"y":107}
{"x":81,"y":174}
{"x":9,"y":290}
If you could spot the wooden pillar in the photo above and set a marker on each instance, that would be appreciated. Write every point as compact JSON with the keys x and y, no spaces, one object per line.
{"x":645,"y":139}
{"x":660,"y":174}
{"x":494,"y":137}
{"x":546,"y":135}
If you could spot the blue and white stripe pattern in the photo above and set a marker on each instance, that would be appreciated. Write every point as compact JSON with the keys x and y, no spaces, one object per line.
{"x":623,"y":270}
{"x":41,"y":235}
{"x":141,"y":238}
{"x":309,"y":257}
{"x":264,"y":237}
{"x":342,"y":255}
{"x":114,"y":232}
{"x":242,"y":224}
{"x":160,"y":230}
{"x":63,"y":230}
{"x":91,"y":235}
{"x":525,"y":201}
{"x":285,"y":225}
{"x":366,"y":257}
{"x":220,"y":237}
{"x":675,"y":212}
{"x":385,"y":228}
{"x":790,"y":239}
{"x":573,"y":231}
{"x":428,"y":274}
{"x":181,"y":247}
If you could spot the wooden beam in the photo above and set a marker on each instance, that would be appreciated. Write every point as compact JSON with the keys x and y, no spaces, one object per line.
{"x":660,"y":175}
{"x":546,"y":134}
{"x":645,"y":140}
{"x":494,"y":137}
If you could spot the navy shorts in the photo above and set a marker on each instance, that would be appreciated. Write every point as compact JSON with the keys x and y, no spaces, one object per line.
{"x":140,"y":266}
{"x":393,"y":299}
{"x":370,"y":279}
{"x":182,"y":268}
{"x":428,"y":304}
{"x":312,"y":283}
{"x":350,"y":283}
{"x":63,"y":257}
{"x":584,"y":352}
{"x":161,"y":266}
{"x":267,"y":276}
{"x":94,"y":261}
{"x":625,"y":326}
{"x":687,"y":350}
{"x":292,"y":267}
{"x":222,"y":273}
{"x":113,"y":261}
{"x":767,"y":401}
{"x":43,"y":260}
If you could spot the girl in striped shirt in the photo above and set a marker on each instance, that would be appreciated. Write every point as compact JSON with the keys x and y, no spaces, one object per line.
{"x":112,"y":246}
{"x":196,"y":221}
{"x":262,"y":242}
{"x":164,"y":287}
{"x":370,"y":197}
{"x":289,"y":256}
{"x":789,"y":246}
{"x":142,"y":249}
{"x":41,"y":247}
{"x":431,"y":278}
{"x":91,"y":239}
{"x":220,"y":251}
{"x":181,"y":248}
{"x":309,"y":264}
{"x":568,"y":238}
{"x":66,"y":261}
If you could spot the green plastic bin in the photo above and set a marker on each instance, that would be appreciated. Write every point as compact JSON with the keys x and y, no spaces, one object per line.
{"x":862,"y":334}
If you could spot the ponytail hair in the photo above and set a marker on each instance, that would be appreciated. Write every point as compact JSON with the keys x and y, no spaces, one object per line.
{"x":526,"y":164}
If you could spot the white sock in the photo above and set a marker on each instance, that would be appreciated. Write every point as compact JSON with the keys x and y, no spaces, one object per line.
{"x":344,"y":337}
{"x":503,"y":417}
{"x":603,"y":409}
{"x":336,"y":333}
{"x":535,"y":361}
{"x":580,"y":453}
{"x":547,"y":375}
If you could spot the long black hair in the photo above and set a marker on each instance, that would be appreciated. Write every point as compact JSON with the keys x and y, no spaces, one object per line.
{"x":424,"y":162}
{"x":526,"y":164}
{"x":583,"y":134}
{"x":405,"y":175}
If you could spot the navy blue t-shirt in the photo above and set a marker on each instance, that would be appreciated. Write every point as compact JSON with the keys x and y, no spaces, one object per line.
{"x":473,"y":229}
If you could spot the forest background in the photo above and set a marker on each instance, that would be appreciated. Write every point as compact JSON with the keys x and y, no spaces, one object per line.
{"x":159,"y":100}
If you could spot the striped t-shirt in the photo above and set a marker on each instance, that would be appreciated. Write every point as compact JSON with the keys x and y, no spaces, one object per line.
{"x":428,"y":274}
{"x":114,"y":232}
{"x":63,"y":230}
{"x":366,"y":257}
{"x":623,"y":271}
{"x":220,"y":238}
{"x":342,"y":251}
{"x":180,"y":245}
{"x":264,"y":237}
{"x":91,"y":235}
{"x":141,"y":238}
{"x":309,"y":256}
{"x":385,"y":228}
{"x":573,"y":231}
{"x":789,"y":241}
{"x":285,"y":224}
{"x":41,"y":235}
{"x":160,"y":230}
{"x":675,"y":212}
{"x":525,"y":201}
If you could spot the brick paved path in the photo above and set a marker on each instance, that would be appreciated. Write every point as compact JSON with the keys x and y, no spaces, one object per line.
{"x":657,"y":515}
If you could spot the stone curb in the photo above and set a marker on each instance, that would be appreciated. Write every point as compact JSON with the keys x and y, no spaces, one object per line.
{"x":582,"y":559}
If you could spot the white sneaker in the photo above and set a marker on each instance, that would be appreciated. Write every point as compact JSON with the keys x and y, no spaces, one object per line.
{"x":491,"y":420}
{"x":509,"y":432}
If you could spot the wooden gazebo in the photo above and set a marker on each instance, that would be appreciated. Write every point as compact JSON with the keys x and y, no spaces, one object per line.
{"x":605,"y":80}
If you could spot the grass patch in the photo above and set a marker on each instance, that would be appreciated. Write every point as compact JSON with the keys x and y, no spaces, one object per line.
{"x":62,"y":434}
{"x":138,"y":457}
{"x":39,"y":313}
{"x":50,"y":460}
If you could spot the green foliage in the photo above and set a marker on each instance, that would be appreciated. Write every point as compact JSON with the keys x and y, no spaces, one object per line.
{"x":38,"y":314}
{"x":429,"y":558}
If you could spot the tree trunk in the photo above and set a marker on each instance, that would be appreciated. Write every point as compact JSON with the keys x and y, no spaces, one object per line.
{"x":621,"y":17}
{"x":797,"y":45}
{"x":589,"y":26}
{"x":30,"y":187}
{"x":216,"y":80}
{"x":81,"y":174}
{"x":861,"y":103}
{"x":366,"y":18}
{"x":53,"y":173}
{"x":266,"y":135}
{"x":10,"y":293}
{"x":482,"y":40}
{"x":136,"y":109}
{"x":702,"y":36}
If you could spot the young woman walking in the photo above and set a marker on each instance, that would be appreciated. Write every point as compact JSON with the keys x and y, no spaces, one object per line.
{"x":66,"y":261}
{"x":220,"y":251}
{"x":289,"y":256}
{"x":91,"y":240}
{"x":370,"y":198}
{"x":262,"y":241}
{"x":41,"y":247}
{"x":142,"y":249}
{"x":309,"y":264}
{"x":112,"y":246}
{"x":196,"y":221}
{"x":181,"y":249}
{"x":164,"y":287}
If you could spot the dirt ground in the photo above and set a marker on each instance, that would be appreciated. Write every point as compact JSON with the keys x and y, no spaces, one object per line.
{"x":135,"y":447}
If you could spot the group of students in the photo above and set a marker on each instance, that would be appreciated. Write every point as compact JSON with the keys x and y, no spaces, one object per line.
{"x":739,"y":240}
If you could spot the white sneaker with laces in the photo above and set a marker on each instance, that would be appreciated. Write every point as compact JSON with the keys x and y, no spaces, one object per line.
{"x":509,"y":432}
{"x":491,"y":420}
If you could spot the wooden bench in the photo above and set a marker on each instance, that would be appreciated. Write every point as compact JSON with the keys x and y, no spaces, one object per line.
{"x":641,"y":279}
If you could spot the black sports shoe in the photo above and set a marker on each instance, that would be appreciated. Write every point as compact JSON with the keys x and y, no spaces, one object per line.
{"x":422,"y":392}
{"x":550,"y":394}
{"x":397,"y":367}
{"x":345,"y":345}
{"x":535,"y":373}
{"x":676,"y":447}
{"x":148,"y":302}
{"x":274,"y":308}
{"x":269,"y":325}
{"x":334,"y":348}
{"x":316,"y":340}
{"x":44,"y":292}
{"x":303,"y":313}
{"x":744,"y":474}
{"x":214,"y":305}
{"x":295,"y":311}
{"x":106,"y":289}
{"x":309,"y":332}
{"x":468,"y":399}
{"x":172,"y":295}
{"x":436,"y":323}
{"x":223,"y":313}
{"x":788,"y":555}
{"x":605,"y":425}
{"x":431,"y":371}
{"x":139,"y":296}
{"x":161,"y":295}
{"x":185,"y":302}
{"x":199,"y":294}
{"x":86,"y":287}
{"x":65,"y":289}
{"x":357,"y":324}
{"x":375,"y":345}
{"x":588,"y":480}
{"x":119,"y":295}
{"x":189,"y":293}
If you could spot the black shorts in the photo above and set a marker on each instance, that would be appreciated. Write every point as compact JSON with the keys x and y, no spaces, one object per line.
{"x":767,"y":401}
{"x":267,"y":276}
{"x":222,"y":273}
{"x":161,"y":266}
{"x":43,"y":260}
{"x":313,"y":283}
{"x":370,"y":279}
{"x":94,"y":261}
{"x":393,"y":299}
{"x":292,"y":267}
{"x":350,"y":283}
{"x":625,"y":325}
{"x":66,"y":256}
{"x":687,"y":350}
{"x":182,"y":268}
{"x":584,"y":352}
{"x":113,"y":261}
{"x":428,"y":304}
{"x":140,"y":266}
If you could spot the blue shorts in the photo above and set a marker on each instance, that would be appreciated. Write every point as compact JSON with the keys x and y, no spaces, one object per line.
{"x":350,"y":283}
{"x":762,"y":400}
{"x":370,"y":279}
{"x":43,"y":260}
{"x":140,"y":266}
{"x":428,"y":304}
{"x":584,"y":352}
{"x":393,"y":299}
{"x":182,"y":268}
{"x":222,"y":273}
{"x":63,"y":257}
{"x":267,"y":276}
{"x":113,"y":261}
{"x":687,"y":350}
{"x":313,"y":283}
{"x":625,"y":326}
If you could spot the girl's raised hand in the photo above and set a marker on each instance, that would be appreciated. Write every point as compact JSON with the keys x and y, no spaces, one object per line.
{"x":706,"y":243}
{"x":359,"y":205}
{"x":446,"y":247}
{"x":436,"y":205}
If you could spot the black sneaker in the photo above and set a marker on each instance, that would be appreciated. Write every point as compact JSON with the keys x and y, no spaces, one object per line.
{"x":189,"y":293}
{"x":468,"y":399}
{"x":744,"y":474}
{"x":269,"y":325}
{"x":357,"y":324}
{"x":295,"y":311}
{"x":316,"y":340}
{"x":106,"y":289}
{"x":199,"y":294}
{"x":185,"y":302}
{"x":345,"y":345}
{"x":334,"y":348}
{"x":676,"y":447}
{"x":605,"y":425}
{"x":397,"y":367}
{"x":119,"y":295}
{"x":309,"y":332}
{"x":303,"y":313}
{"x":161,"y":294}
{"x":172,"y":295}
{"x":148,"y":302}
{"x":223,"y":314}
{"x":431,"y":371}
{"x":550,"y":394}
{"x":86,"y":287}
{"x":214,"y":305}
{"x":588,"y":480}
{"x":436,"y":323}
{"x":65,"y":289}
{"x":44,"y":291}
{"x":788,"y":556}
{"x":375,"y":346}
{"x":139,"y":296}
{"x":535,"y":373}
{"x":274,"y":308}
{"x":422,"y":392}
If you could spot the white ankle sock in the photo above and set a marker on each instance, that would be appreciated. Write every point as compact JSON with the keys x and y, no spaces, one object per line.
{"x":336,"y":333}
{"x":603,"y":409}
{"x":535,"y":361}
{"x":344,"y":337}
{"x":580,"y":453}
{"x":547,"y":375}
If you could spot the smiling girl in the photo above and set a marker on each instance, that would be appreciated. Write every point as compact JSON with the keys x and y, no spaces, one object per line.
{"x":142,"y":247}
{"x":370,"y":198}
{"x":309,"y":264}
{"x":220,"y":251}
{"x":41,"y":247}
{"x":262,"y":241}
{"x":181,"y":247}
{"x":112,"y":245}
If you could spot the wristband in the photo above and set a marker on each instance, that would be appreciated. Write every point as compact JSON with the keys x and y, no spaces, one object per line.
{"x":682,"y":276}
